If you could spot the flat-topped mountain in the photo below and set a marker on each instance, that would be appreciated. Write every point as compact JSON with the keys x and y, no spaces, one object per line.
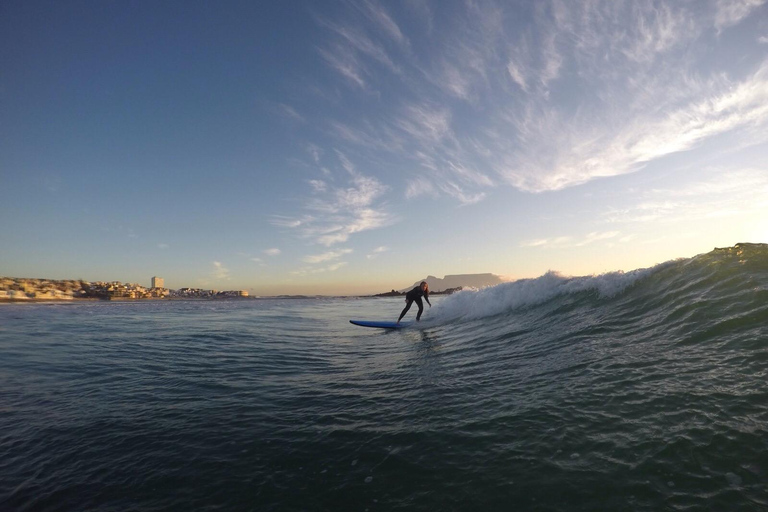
{"x":458,"y":281}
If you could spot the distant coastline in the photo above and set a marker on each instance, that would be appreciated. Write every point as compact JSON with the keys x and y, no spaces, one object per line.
{"x":37,"y":290}
{"x":19,"y":289}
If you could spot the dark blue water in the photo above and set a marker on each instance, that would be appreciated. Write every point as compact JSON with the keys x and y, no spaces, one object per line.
{"x":637,"y":391}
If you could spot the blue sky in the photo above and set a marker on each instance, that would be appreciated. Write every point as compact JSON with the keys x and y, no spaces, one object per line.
{"x":355,"y":147}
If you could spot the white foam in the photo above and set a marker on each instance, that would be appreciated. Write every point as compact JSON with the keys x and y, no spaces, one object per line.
{"x":475,"y":303}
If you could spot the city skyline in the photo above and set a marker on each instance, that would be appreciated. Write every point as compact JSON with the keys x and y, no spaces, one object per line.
{"x":355,"y":147}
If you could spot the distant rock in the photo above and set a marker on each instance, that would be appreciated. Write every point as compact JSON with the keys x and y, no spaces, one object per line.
{"x":458,"y":281}
{"x":393,"y":293}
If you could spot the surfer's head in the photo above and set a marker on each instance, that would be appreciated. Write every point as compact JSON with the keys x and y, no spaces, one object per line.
{"x":424,"y":286}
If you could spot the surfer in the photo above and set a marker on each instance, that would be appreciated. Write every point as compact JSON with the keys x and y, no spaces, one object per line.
{"x":415,"y":295}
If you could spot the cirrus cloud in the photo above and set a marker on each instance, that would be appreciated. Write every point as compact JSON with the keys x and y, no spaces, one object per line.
{"x":338,"y":212}
{"x":549,"y":97}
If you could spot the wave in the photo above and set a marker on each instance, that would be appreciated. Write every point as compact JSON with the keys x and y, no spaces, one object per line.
{"x":722,"y":272}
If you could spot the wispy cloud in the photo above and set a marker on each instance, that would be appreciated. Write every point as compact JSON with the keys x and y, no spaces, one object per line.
{"x":290,"y":113}
{"x":565,"y":242}
{"x":344,"y":62}
{"x":376,"y":252}
{"x":283,"y":221}
{"x":304,"y":271}
{"x":318,"y":185}
{"x":274,"y":251}
{"x":366,"y":136}
{"x":337,"y":212}
{"x":163,"y":246}
{"x":553,"y":60}
{"x":437,"y":150}
{"x":574,"y":92}
{"x":719,"y":193}
{"x":220,"y":271}
{"x":429,"y":124}
{"x":356,"y":222}
{"x":384,"y":21}
{"x":326,"y":256}
{"x":458,"y":192}
{"x":420,"y":187}
{"x":315,"y":151}
{"x":454,"y":81}
{"x":580,"y":149}
{"x":352,"y":37}
{"x":656,"y":30}
{"x":516,"y":74}
{"x":538,"y":242}
{"x":353,"y":50}
{"x":730,"y":12}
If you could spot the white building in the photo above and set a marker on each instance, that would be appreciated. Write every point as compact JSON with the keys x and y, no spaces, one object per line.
{"x":158,"y":282}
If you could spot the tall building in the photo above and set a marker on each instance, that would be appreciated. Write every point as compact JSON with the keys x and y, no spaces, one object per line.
{"x":158,"y":282}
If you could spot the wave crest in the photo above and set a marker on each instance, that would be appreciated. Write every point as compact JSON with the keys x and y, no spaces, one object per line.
{"x":723,"y":271}
{"x":473,"y":303}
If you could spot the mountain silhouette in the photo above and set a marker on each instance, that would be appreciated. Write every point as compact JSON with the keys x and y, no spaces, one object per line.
{"x":458,"y":281}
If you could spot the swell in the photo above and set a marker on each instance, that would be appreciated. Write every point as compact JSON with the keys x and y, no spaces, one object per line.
{"x":696,"y":299}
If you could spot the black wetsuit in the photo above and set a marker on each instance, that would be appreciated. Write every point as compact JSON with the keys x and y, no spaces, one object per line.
{"x":412,"y":296}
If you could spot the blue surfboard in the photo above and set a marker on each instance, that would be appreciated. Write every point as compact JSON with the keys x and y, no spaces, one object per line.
{"x":380,"y":325}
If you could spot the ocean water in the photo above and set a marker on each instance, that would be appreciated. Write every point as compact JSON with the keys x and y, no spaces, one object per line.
{"x":643,"y":390}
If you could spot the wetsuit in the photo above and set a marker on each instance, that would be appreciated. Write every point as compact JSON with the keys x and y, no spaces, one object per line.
{"x":412,"y":296}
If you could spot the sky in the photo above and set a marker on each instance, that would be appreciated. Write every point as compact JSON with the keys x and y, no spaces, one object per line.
{"x":353,"y":147}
